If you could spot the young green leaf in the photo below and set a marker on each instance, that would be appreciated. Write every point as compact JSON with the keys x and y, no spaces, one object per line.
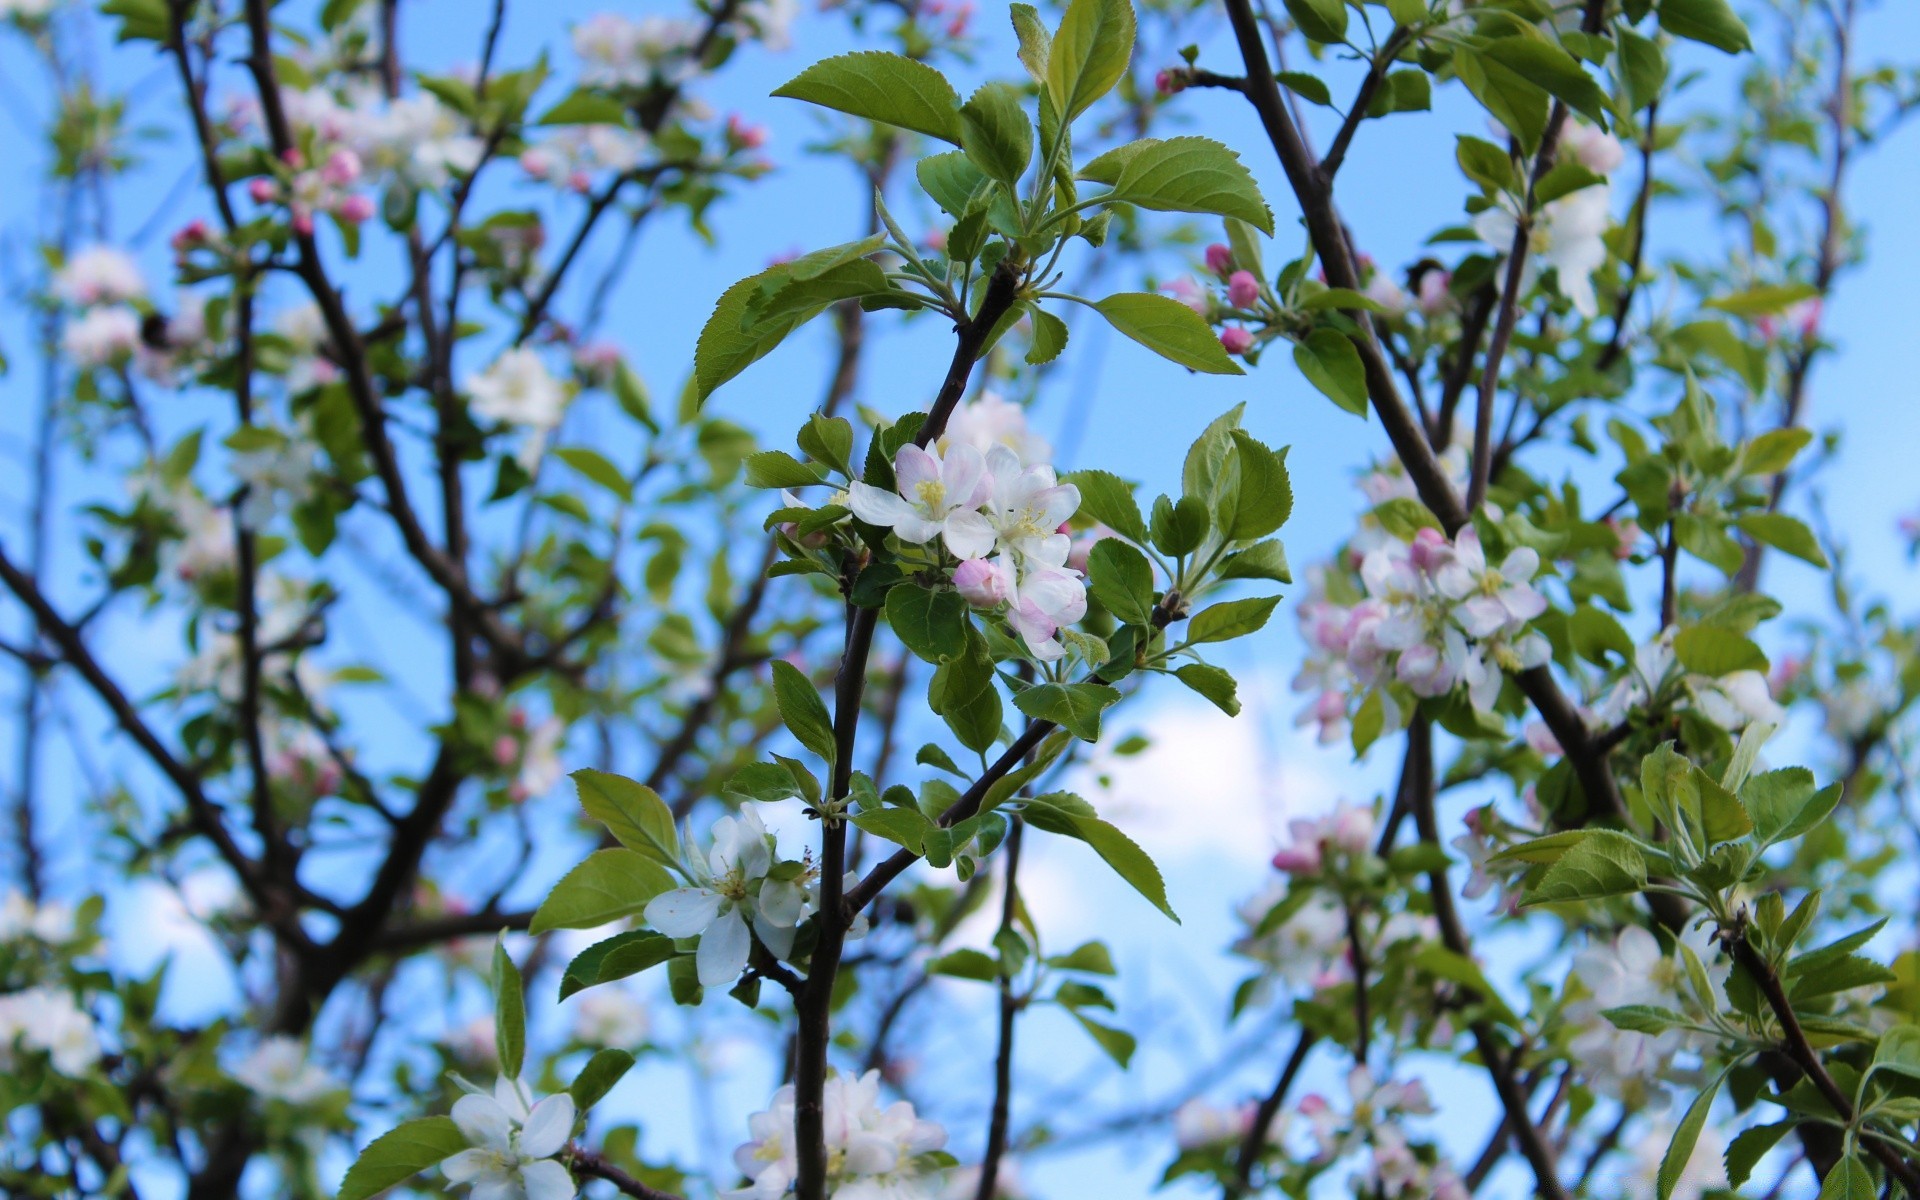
{"x":1330,"y":363}
{"x":1213,"y":683}
{"x":1169,"y":329}
{"x":1673,"y":1164}
{"x":801,"y":708}
{"x":1266,"y":494}
{"x":1108,"y":499}
{"x":995,"y":132}
{"x":1603,"y":863}
{"x":1121,"y":580}
{"x":597,"y":468}
{"x":1117,"y":1043}
{"x":1182,"y":174}
{"x":1710,"y":21}
{"x":401,"y":1153}
{"x":609,"y":885}
{"x":889,"y":88}
{"x":597,"y":1078}
{"x":902,"y":826}
{"x":1230,"y":619}
{"x":1784,"y":533}
{"x":1324,"y":21}
{"x":613,"y":958}
{"x":509,"y":1012}
{"x":632,"y":812}
{"x":1089,"y":54}
{"x":932,"y":624}
{"x":1074,"y":707}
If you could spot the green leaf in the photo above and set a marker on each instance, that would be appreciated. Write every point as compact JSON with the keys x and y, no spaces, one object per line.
{"x":1074,"y":707}
{"x":828,"y":440}
{"x":1070,"y":816}
{"x":963,"y":694}
{"x":1230,"y":619}
{"x":613,"y":958}
{"x":1266,"y":493}
{"x":1766,"y":299}
{"x":1679,"y":1153}
{"x":1310,"y":88}
{"x":966,"y":963}
{"x":401,"y":1153}
{"x":1180,"y":528}
{"x":1715,"y":651}
{"x":1746,"y":1150}
{"x":1121,"y":580}
{"x":1712,"y":22}
{"x":728,"y":345}
{"x":1785,"y":534}
{"x":509,"y":1012}
{"x":1049,"y":337}
{"x":611,"y":884}
{"x":1850,"y":1179}
{"x":778,"y":469}
{"x":1603,"y":863}
{"x":1369,"y":721}
{"x":1773,"y":451}
{"x":1183,"y":174}
{"x":1168,"y":328}
{"x":1516,"y":103}
{"x":1777,"y":801}
{"x":1547,"y":66}
{"x":1262,"y":560}
{"x":582,"y":107}
{"x":1213,"y":683}
{"x":1092,"y":957}
{"x":1564,"y":180}
{"x":995,"y":132}
{"x":801,"y":708}
{"x":1036,"y":43}
{"x":597,"y":1078}
{"x":889,"y":88}
{"x":595,"y":466}
{"x":1089,"y":54}
{"x":1331,"y":363}
{"x":902,"y":826}
{"x":1485,"y":163}
{"x":1644,"y":1018}
{"x":1324,"y":21}
{"x":1108,"y":499}
{"x":632,"y":812}
{"x":932,"y":624}
{"x":1643,"y":68}
{"x":1118,"y":1044}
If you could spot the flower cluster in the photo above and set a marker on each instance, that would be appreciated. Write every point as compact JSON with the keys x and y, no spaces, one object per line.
{"x":1434,"y":615}
{"x":1394,"y":1166}
{"x":518,"y":391}
{"x":1656,"y":678}
{"x":307,"y":190}
{"x":48,"y":1020}
{"x":1633,"y":969}
{"x":1003,"y":516}
{"x":874,"y":1152}
{"x":735,"y":896}
{"x":278,"y":1069}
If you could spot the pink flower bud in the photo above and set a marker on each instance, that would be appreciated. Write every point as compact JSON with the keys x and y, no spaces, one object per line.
{"x":354,"y":209}
{"x":303,"y":222}
{"x":1429,"y":550}
{"x":536,"y":161}
{"x":744,"y":136}
{"x":293,"y":158}
{"x":1168,"y":82}
{"x":1298,"y":860}
{"x":506,"y":749}
{"x":263,"y":190}
{"x":1219,"y":259}
{"x":193,"y":233}
{"x":957,"y":27}
{"x":981,"y":584}
{"x":1243,"y":289}
{"x":579,"y":181}
{"x":1236,"y":340}
{"x":343,"y":167}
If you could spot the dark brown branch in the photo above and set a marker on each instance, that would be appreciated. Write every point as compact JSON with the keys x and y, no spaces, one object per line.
{"x":1255,"y":1139}
{"x":1010,"y":1004}
{"x":594,"y":1166}
{"x":1617,"y":340}
{"x":431,"y":931}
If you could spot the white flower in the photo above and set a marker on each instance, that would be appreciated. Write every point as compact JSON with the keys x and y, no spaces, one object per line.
{"x":1026,"y":508}
{"x":994,"y":421}
{"x":1633,"y":970}
{"x":277,"y":1069}
{"x":618,"y":51}
{"x":937,"y":497}
{"x":870,"y":1148}
{"x":1045,"y":599}
{"x":1566,"y":236}
{"x":48,"y":1020}
{"x":1592,"y":147}
{"x":99,"y":275}
{"x":1198,"y":1124}
{"x":540,"y":768}
{"x":425,"y":142}
{"x":278,"y":478}
{"x":513,"y":1145}
{"x":26,"y":10}
{"x":1730,"y":701}
{"x":20,"y":918}
{"x":517,"y":389}
{"x":104,"y":337}
{"x":731,"y":891}
{"x":610,"y":1016}
{"x":1489,"y":600}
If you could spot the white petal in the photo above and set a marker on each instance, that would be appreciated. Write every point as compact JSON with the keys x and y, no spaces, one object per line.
{"x":496,"y":1187}
{"x":968,"y":534}
{"x":683,"y":912}
{"x":777,"y":938}
{"x":467,"y":1165}
{"x":723,"y":950}
{"x":484,"y":1122}
{"x":913,"y":466}
{"x":548,"y":1127}
{"x":547,"y":1180}
{"x":781,"y":900}
{"x":874,"y":506}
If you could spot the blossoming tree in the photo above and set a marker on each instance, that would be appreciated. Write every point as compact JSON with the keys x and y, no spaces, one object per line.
{"x":379,"y":380}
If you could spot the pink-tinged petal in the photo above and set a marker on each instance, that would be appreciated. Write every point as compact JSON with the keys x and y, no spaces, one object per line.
{"x":1058,"y":503}
{"x":724,"y":948}
{"x":1523,"y":604}
{"x":548,"y":1127}
{"x":1520,"y":566}
{"x":874,"y":506}
{"x":683,"y":912}
{"x":969,"y":535}
{"x":467,"y":1166}
{"x":1400,"y":631}
{"x":547,"y":1181}
{"x":1453,"y":581}
{"x":485,"y":1123}
{"x":965,"y":474}
{"x":1481,"y":616}
{"x":496,"y":1187}
{"x":913,"y":466}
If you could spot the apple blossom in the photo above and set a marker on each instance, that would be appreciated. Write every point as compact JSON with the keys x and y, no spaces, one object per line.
{"x":937,"y":497}
{"x":512,"y":1144}
{"x":731,"y":893}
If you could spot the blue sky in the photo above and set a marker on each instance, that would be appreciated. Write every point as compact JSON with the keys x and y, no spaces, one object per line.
{"x":1212,"y":799}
